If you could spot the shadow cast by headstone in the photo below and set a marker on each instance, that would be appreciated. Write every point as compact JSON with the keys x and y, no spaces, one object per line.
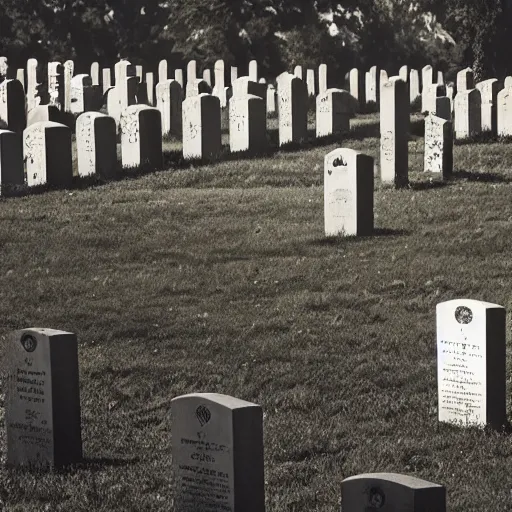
{"x":428,"y":185}
{"x":364,"y":131}
{"x":481,"y":138}
{"x":376,"y":233}
{"x":483,"y":177}
{"x":100,"y":463}
{"x":417,"y":127}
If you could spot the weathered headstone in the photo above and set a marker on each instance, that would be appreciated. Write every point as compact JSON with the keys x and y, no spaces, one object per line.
{"x":357,"y":87}
{"x":12,"y":105}
{"x":244,"y":85}
{"x":271,"y":99}
{"x":217,"y":454}
{"x":169,"y":99}
{"x":82,"y":98}
{"x":310,"y":82}
{"x":43,"y":400}
{"x":33,"y":84}
{"x":178,"y":76}
{"x":4,"y":68}
{"x":427,"y":76}
{"x":191,"y":72}
{"x":11,"y":161}
{"x":141,"y":137}
{"x":465,"y":80}
{"x":107,"y":79}
{"x":348,"y":193}
{"x":489,"y":90}
{"x":429,"y":97}
{"x":96,"y":145}
{"x":438,"y":156}
{"x":292,"y":95}
{"x":504,"y":103}
{"x":69,"y":69}
{"x":47,"y":154}
{"x":197,"y":87}
{"x":391,"y":492}
{"x":394,"y":127}
{"x":201,"y":127}
{"x":333,"y":111}
{"x":468,"y":114}
{"x":322,"y":78}
{"x":55,"y":84}
{"x":471,"y":356}
{"x":414,"y":85}
{"x":207,"y":77}
{"x":43,"y":113}
{"x":233,"y":73}
{"x":253,"y":70}
{"x":219,"y":89}
{"x":247,"y":124}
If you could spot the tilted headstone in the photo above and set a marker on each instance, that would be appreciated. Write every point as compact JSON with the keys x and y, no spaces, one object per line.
{"x":107,"y":79}
{"x":217,"y":454}
{"x":253,"y":70}
{"x":333,"y":110}
{"x":11,"y":161}
{"x":201,"y":127}
{"x":47,"y":154}
{"x":169,"y":99}
{"x":322,"y":78}
{"x":12,"y":105}
{"x":43,"y":113}
{"x":56,"y":84}
{"x":372,"y":85}
{"x":42,"y":413}
{"x":489,"y":90}
{"x":197,"y":87}
{"x":271,"y":99}
{"x":95,"y":73}
{"x":163,"y":71}
{"x":429,"y":96}
{"x":297,"y":71}
{"x":391,"y":492}
{"x":233,"y":73}
{"x":247,"y":124}
{"x":427,"y":76}
{"x":141,"y":137}
{"x":219,"y":89}
{"x":292,"y":96}
{"x":394,"y":127}
{"x":465,"y":80}
{"x":96,"y":145}
{"x":33,"y":84}
{"x":310,"y":82}
{"x":178,"y":76}
{"x":438,"y":156}
{"x":244,"y":85}
{"x":82,"y":98}
{"x":504,"y":103}
{"x":471,"y":357}
{"x":348,"y":193}
{"x":69,"y":69}
{"x":414,"y":85}
{"x":468,"y":114}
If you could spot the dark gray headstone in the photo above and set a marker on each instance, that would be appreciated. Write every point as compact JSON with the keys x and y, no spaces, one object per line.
{"x":217,"y":443}
{"x":391,"y":492}
{"x":43,"y":399}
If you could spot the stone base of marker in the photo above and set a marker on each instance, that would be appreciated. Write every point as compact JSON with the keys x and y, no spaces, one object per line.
{"x":11,"y":161}
{"x":348,"y":193}
{"x":47,"y":154}
{"x":471,"y":356}
{"x":391,"y":492}
{"x":42,"y":413}
{"x":438,"y":146}
{"x":228,"y":433}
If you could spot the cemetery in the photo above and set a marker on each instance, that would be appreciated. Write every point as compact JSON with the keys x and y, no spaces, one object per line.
{"x":230,"y":290}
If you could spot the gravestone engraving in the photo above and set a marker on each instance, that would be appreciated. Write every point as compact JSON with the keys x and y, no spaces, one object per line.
{"x":11,"y":161}
{"x":348,"y":193}
{"x":217,"y":447}
{"x":438,"y":145}
{"x":391,"y":492}
{"x":247,"y":124}
{"x":471,"y":355}
{"x":43,"y":400}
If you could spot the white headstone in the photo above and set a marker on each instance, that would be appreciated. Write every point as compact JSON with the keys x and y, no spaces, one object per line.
{"x":219,"y":89}
{"x":162,"y":71}
{"x":80,"y":92}
{"x":471,"y":357}
{"x":178,"y":76}
{"x":95,"y":73}
{"x":33,"y":84}
{"x":429,"y":95}
{"x":247,"y":124}
{"x":271,"y":99}
{"x":107,"y":79}
{"x":489,"y":90}
{"x":169,"y":99}
{"x":504,"y":103}
{"x":372,"y":85}
{"x":438,"y":156}
{"x":403,"y":73}
{"x":292,"y":97}
{"x":414,"y":85}
{"x":465,"y":80}
{"x":207,"y":77}
{"x":253,"y":70}
{"x":310,"y":82}
{"x":191,"y":72}
{"x":55,"y":84}
{"x":357,"y":88}
{"x":322,"y":78}
{"x":468,"y":114}
{"x":234,"y":73}
{"x":244,"y":85}
{"x":298,"y":72}
{"x":333,"y":110}
{"x":427,"y":76}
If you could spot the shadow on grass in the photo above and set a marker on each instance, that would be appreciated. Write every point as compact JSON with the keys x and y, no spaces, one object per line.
{"x":428,"y":185}
{"x":483,"y":177}
{"x":376,"y":233}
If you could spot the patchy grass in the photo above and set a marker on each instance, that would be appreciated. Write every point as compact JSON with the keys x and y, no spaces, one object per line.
{"x":218,"y":278}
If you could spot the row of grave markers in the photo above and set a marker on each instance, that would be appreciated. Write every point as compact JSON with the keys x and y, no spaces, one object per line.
{"x":217,"y":440}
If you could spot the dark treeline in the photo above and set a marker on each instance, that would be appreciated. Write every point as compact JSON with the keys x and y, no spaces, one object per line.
{"x":449,"y":34}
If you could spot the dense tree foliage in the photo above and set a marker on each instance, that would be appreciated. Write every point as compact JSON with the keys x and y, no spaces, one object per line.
{"x":278,"y":33}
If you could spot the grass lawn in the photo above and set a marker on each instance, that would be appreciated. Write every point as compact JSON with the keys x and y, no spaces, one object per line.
{"x":218,"y":278}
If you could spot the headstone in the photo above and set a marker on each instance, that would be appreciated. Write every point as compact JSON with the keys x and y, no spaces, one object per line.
{"x":82,"y":98}
{"x":55,"y":84}
{"x":126,"y":90}
{"x":191,"y":72}
{"x":96,"y":145}
{"x":322,"y":78}
{"x":298,"y":72}
{"x":124,"y":69}
{"x":178,"y":76}
{"x":47,"y":154}
{"x":139,"y":73}
{"x":429,"y":96}
{"x":507,"y":82}
{"x":440,"y":78}
{"x":234,"y":73}
{"x":271,"y":99}
{"x":169,"y":98}
{"x":391,"y":492}
{"x":465,"y":80}
{"x":247,"y":124}
{"x":262,"y":80}
{"x":95,"y":73}
{"x":243,"y":86}
{"x":219,"y":89}
{"x":403,"y":73}
{"x":333,"y":110}
{"x":150,"y":88}
{"x":471,"y":357}
{"x":394,"y":126}
{"x":141,"y":137}
{"x":310,"y":82}
{"x":4,"y":68}
{"x":443,"y":108}
{"x":12,"y":173}
{"x":198,"y":87}
{"x":69,"y":69}
{"x":163,"y":71}
{"x":12,"y":105}
{"x":217,"y":453}
{"x":253,"y":70}
{"x":107,"y":79}
{"x":504,"y":103}
{"x":357,"y":87}
{"x":489,"y":90}
{"x":42,"y":413}
{"x":33,"y":84}
{"x":414,"y":85}
{"x":43,"y":113}
{"x":383,"y":77}
{"x":348,"y":193}
{"x":427,"y":77}
{"x":201,"y":127}
{"x":438,"y":156}
{"x":468,"y":114}
{"x":372,"y":86}
{"x":207,"y":77}
{"x":20,"y":76}
{"x":292,"y":97}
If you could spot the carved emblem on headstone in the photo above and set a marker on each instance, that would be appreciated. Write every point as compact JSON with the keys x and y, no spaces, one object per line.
{"x":376,"y":498}
{"x":203,"y":415}
{"x":463,"y":315}
{"x":29,"y":343}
